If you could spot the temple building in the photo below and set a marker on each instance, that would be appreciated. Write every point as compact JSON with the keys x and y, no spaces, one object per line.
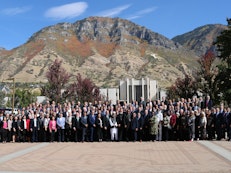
{"x":131,"y":89}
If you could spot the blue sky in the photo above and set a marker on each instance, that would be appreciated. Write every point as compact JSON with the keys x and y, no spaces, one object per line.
{"x":21,"y":18}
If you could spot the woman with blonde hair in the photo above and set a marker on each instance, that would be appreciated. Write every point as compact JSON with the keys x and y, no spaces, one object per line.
{"x":203,"y":124}
{"x":9,"y":126}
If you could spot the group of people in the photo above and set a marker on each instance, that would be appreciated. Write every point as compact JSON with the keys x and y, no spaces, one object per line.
{"x":159,"y":120}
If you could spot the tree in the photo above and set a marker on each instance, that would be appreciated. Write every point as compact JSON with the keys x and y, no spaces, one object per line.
{"x":24,"y":97}
{"x":2,"y":96}
{"x":85,"y":90}
{"x":183,"y":88}
{"x":206,"y":75}
{"x":58,"y":79}
{"x":223,"y":45}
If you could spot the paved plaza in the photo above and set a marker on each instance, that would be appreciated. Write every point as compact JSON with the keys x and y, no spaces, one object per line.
{"x":114,"y":157}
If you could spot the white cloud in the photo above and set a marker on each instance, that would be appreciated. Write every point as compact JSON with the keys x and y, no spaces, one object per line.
{"x":147,"y":10}
{"x":114,"y":11}
{"x":133,"y":17}
{"x":141,"y":13}
{"x":15,"y":11}
{"x":67,"y":11}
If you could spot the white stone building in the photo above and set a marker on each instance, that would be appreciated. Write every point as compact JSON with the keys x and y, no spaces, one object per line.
{"x":131,"y":89}
{"x":110,"y":94}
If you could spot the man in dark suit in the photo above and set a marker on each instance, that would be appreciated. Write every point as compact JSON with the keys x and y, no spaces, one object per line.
{"x":142,"y":102}
{"x":228,"y":116}
{"x":140,"y":126}
{"x":146,"y":117}
{"x":106,"y":126}
{"x":208,"y":103}
{"x":134,"y":126}
{"x":1,"y":124}
{"x":219,"y":123}
{"x":120,"y":121}
{"x":76,"y":125}
{"x":127,"y":124}
{"x":34,"y":127}
{"x":92,"y":125}
{"x":84,"y":126}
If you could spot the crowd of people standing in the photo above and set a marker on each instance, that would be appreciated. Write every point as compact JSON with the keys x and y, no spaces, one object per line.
{"x":143,"y":120}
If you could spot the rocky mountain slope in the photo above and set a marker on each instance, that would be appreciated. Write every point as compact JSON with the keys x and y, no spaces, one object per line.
{"x":201,"y":39}
{"x":103,"y":49}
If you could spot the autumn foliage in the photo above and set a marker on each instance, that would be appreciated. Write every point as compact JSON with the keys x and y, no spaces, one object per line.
{"x":57,"y":78}
{"x":86,"y":90}
{"x":29,"y":53}
{"x":59,"y":88}
{"x":105,"y":49}
{"x":206,"y":63}
{"x":74,"y":47}
{"x":183,"y":88}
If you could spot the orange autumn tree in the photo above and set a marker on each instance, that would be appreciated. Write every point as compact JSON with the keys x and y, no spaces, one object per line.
{"x":206,"y":75}
{"x":183,"y":88}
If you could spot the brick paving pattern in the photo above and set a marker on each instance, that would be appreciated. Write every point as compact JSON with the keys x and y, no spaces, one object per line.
{"x":162,"y":157}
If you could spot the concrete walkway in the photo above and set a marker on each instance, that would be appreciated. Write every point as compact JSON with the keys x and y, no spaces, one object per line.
{"x":163,"y":157}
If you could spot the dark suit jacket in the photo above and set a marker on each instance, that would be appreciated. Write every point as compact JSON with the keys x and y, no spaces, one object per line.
{"x":120,"y":119}
{"x":140,"y":122}
{"x":91,"y":119}
{"x":208,"y":104}
{"x":134,"y":123}
{"x":219,"y":119}
{"x":106,"y":122}
{"x":76,"y":123}
{"x":32,"y":124}
{"x":1,"y":124}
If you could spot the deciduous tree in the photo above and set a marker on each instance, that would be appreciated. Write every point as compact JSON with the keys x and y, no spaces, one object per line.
{"x":58,"y":79}
{"x":85,"y":89}
{"x":206,"y":75}
{"x":183,"y":88}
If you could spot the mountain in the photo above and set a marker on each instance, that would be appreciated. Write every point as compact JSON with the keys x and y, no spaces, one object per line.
{"x":201,"y":39}
{"x":103,"y":49}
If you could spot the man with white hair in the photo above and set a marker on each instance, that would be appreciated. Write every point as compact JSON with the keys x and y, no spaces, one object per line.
{"x":114,"y":127}
{"x":160,"y":120}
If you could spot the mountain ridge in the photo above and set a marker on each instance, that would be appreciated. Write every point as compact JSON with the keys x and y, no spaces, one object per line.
{"x":201,"y":39}
{"x":103,"y":49}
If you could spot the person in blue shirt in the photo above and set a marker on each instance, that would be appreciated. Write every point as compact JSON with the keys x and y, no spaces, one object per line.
{"x":61,"y":127}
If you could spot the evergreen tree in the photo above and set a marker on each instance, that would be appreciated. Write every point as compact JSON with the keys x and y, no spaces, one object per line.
{"x":223,"y":44}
